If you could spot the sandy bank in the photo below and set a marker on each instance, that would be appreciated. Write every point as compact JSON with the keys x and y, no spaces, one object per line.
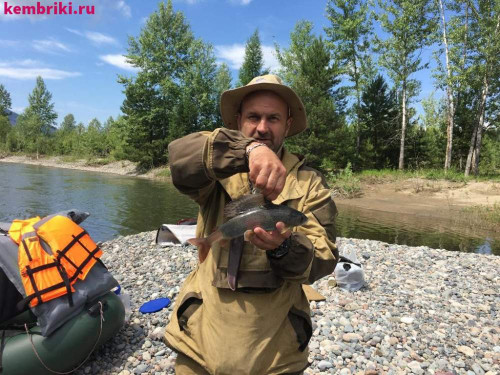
{"x":432,"y":198}
{"x":123,"y":167}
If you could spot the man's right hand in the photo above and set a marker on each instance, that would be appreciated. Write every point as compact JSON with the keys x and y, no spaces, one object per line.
{"x":267,"y":172}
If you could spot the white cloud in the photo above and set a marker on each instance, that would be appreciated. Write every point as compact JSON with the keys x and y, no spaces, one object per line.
{"x":94,"y":36}
{"x":234,"y":56}
{"x":28,"y":62}
{"x":8,"y":43}
{"x":27,"y":69}
{"x":269,"y":56}
{"x":241,"y":2}
{"x":124,"y":8}
{"x":99,"y":38}
{"x":50,"y":46}
{"x":74,"y":31}
{"x":119,"y":61}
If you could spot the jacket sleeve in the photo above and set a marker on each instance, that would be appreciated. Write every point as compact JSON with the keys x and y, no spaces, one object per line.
{"x":199,"y":159}
{"x":313,"y":253}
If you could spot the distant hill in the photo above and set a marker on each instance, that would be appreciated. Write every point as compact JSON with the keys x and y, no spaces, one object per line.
{"x":13,"y":120}
{"x":13,"y":117}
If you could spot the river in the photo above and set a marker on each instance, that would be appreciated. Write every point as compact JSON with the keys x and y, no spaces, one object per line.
{"x":126,"y":205}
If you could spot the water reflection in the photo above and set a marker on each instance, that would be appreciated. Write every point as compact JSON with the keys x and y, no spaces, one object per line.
{"x":126,"y":205}
{"x":413,"y":230}
{"x":118,"y":205}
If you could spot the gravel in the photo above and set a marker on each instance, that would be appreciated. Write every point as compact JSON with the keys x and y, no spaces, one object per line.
{"x":423,"y":311}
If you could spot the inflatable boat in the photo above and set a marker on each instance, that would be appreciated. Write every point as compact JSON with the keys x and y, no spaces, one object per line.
{"x":42,"y":332}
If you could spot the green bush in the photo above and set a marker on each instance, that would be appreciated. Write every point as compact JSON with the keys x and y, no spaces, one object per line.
{"x":344,"y":183}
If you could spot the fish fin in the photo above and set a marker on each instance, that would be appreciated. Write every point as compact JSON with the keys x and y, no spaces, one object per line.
{"x":248,"y":235}
{"x":285,"y":229}
{"x":203,"y":247}
{"x":243,"y":204}
{"x":231,"y":281}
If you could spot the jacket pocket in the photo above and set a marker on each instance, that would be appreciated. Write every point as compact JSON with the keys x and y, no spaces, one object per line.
{"x":189,"y":305}
{"x":301,"y":324}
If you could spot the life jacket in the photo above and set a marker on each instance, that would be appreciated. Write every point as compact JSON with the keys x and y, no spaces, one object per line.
{"x":48,"y":272}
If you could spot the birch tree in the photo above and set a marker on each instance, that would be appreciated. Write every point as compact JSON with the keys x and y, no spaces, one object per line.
{"x":173,"y":92}
{"x":450,"y":97}
{"x":484,"y":30}
{"x":409,"y":30}
{"x":349,"y":34}
{"x":5,"y":101}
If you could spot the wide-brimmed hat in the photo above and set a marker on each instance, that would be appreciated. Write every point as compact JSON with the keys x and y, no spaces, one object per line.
{"x":230,"y":102}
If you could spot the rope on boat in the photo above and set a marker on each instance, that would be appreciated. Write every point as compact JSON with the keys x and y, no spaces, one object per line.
{"x":85,"y":360}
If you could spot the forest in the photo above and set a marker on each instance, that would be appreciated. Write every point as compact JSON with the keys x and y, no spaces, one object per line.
{"x":357,"y":81}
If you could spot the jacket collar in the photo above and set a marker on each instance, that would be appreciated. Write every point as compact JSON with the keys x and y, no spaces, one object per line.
{"x":237,"y":185}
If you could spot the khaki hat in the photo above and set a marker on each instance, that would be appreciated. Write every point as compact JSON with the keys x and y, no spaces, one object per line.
{"x":230,"y":102}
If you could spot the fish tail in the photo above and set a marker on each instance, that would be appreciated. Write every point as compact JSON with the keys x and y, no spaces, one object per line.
{"x":204,"y":244}
{"x":203,"y":247}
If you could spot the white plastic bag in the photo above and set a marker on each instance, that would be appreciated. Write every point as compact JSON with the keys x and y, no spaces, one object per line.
{"x":125,"y":298}
{"x":348,"y":273}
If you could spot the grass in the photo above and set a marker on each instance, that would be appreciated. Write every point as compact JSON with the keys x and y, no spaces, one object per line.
{"x":344,"y":183}
{"x":390,"y":175}
{"x":96,"y":162}
{"x":163,"y":173}
{"x":69,"y":158}
{"x":487,"y":217}
{"x":348,"y":184}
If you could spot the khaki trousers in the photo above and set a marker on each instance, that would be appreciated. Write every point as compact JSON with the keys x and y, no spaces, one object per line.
{"x":186,"y":366}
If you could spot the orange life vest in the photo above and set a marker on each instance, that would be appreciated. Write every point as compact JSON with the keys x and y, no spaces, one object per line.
{"x":47,"y":276}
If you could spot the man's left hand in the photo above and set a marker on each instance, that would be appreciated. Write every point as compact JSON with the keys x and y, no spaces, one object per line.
{"x":269,"y":240}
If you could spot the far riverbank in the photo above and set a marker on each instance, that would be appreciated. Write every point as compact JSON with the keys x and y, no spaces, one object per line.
{"x":434,"y":199}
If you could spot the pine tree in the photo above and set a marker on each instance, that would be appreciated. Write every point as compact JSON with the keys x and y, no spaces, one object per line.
{"x":308,"y":70}
{"x":253,"y":63}
{"x":379,"y":116}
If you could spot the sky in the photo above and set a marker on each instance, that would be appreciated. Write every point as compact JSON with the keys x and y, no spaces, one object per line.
{"x":80,"y":56}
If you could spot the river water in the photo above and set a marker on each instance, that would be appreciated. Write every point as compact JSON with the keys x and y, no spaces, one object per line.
{"x":126,"y":205}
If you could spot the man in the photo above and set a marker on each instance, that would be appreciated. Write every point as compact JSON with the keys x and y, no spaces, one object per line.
{"x":264,"y":326}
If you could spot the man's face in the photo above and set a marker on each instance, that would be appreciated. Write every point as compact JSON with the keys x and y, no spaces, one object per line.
{"x":264,"y":116}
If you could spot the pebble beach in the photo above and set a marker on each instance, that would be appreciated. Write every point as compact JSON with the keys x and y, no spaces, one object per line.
{"x":423,"y":311}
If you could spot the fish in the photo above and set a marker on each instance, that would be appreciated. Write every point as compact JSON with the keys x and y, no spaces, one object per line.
{"x":244,"y":215}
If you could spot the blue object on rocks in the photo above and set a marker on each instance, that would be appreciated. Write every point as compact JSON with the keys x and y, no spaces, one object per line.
{"x":154,"y":305}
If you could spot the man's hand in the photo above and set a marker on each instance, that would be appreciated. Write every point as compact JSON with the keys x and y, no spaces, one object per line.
{"x":269,"y":240}
{"x":267,"y":172}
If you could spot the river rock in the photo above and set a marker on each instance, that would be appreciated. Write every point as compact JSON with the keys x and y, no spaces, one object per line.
{"x":401,"y":325}
{"x":324,"y":365}
{"x":466,"y":350}
{"x":351,"y":337}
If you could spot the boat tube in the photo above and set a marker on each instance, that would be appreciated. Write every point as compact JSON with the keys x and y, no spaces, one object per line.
{"x":28,"y":352}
